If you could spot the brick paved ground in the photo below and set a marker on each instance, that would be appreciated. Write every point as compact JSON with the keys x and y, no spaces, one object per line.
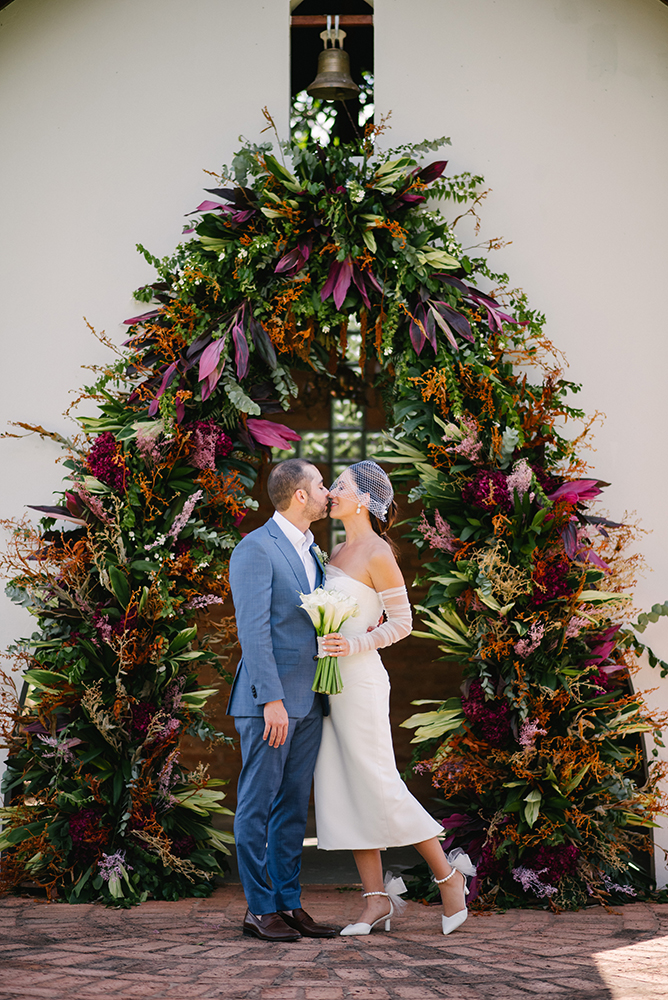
{"x":195,"y":948}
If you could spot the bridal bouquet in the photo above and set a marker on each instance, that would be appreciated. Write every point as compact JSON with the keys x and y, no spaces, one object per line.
{"x":328,"y":610}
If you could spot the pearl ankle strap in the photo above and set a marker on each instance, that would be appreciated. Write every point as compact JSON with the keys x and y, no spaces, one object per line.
{"x":365,"y":894}
{"x":440,"y":881}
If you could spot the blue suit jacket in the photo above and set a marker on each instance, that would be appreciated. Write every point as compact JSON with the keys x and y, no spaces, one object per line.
{"x":277,"y":637}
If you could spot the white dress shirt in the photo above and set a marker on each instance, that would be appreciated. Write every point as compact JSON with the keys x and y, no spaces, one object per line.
{"x":302,"y":542}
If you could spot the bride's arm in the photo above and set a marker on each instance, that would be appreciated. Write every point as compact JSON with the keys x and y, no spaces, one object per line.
{"x":389,"y":584}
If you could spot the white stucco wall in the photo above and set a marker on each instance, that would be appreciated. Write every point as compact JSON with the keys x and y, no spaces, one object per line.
{"x":562,"y":105}
{"x":110,"y":111}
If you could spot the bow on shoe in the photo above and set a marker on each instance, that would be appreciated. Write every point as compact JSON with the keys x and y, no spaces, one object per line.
{"x":394,"y":886}
{"x":460,"y":860}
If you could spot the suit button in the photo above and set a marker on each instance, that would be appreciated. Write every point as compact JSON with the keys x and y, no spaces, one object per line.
{"x":254,"y":692}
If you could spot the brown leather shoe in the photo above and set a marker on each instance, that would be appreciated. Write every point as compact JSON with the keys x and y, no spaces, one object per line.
{"x":307,"y":926}
{"x":269,"y":927}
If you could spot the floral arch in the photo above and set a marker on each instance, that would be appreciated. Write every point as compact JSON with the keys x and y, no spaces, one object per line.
{"x":539,"y":761}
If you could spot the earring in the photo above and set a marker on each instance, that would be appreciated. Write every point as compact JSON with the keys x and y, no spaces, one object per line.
{"x":359,"y":507}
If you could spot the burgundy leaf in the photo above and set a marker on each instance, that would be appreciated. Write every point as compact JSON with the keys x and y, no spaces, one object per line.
{"x":332,"y":278}
{"x":343,"y":282}
{"x":431,"y":172}
{"x":456,"y":321}
{"x":61,"y":513}
{"x":429,"y":324}
{"x":448,"y":279}
{"x":373,"y":281}
{"x":207,"y":206}
{"x":417,"y":335}
{"x":292,"y":261}
{"x":263,"y":343}
{"x":272,"y":434}
{"x":241,"y":344}
{"x":569,"y":536}
{"x":167,"y":379}
{"x":229,"y":194}
{"x":444,"y":327}
{"x":210,"y":358}
{"x":305,"y":244}
{"x":358,"y":278}
{"x":142,"y":318}
{"x":180,"y":410}
{"x":211,"y":381}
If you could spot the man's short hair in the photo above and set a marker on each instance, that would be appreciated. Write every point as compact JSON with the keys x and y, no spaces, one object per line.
{"x":286,"y":478}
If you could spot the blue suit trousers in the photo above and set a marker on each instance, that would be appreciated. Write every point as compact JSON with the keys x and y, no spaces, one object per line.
{"x":272,"y":807}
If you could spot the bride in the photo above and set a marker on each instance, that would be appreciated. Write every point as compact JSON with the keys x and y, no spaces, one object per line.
{"x":361,"y":802}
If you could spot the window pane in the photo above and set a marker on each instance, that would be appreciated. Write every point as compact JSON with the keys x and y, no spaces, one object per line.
{"x":374,"y":444}
{"x":314,"y":446}
{"x":347,"y":444}
{"x":346,"y":413}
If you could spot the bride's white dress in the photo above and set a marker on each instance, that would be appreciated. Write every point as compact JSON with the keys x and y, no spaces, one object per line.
{"x":360,"y":800}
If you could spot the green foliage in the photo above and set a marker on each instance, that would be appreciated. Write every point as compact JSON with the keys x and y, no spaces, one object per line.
{"x":525,"y":586}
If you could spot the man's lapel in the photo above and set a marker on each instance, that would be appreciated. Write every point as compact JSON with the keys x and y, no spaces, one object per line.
{"x":290,"y":553}
{"x":319,"y":568}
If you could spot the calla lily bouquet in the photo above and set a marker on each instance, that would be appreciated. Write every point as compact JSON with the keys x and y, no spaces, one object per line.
{"x":328,"y":610}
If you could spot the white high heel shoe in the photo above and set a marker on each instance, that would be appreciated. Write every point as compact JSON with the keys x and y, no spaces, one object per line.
{"x":460,"y":862}
{"x":393,"y":886}
{"x":363,"y":928}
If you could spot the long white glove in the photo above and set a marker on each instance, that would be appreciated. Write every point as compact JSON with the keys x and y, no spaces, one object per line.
{"x":398,"y":624}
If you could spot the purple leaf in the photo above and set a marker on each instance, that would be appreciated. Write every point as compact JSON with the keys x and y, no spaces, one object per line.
{"x":373,"y":281}
{"x":167,"y":379}
{"x":358,"y":278}
{"x":332,"y":277}
{"x":263,"y":343}
{"x":229,"y":194}
{"x":447,"y":279}
{"x":180,"y":410}
{"x":211,"y":381}
{"x":427,"y":319}
{"x":305,"y":244}
{"x":417,"y":335}
{"x":142,"y":318}
{"x":431,"y":172}
{"x":455,"y":319}
{"x":272,"y":434}
{"x":61,"y":513}
{"x":210,"y":358}
{"x":240,"y":343}
{"x":569,"y":536}
{"x":208,"y":206}
{"x":444,"y":327}
{"x":292,"y":261}
{"x":343,"y":282}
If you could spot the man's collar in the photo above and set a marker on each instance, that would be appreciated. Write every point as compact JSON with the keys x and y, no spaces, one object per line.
{"x":292,"y":532}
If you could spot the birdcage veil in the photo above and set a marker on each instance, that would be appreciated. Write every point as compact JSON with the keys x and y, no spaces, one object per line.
{"x":367,"y":484}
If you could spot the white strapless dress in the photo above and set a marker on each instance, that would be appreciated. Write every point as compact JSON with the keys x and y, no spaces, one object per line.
{"x":361,"y":803}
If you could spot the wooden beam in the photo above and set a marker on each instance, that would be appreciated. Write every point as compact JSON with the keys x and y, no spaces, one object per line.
{"x":320,"y":20}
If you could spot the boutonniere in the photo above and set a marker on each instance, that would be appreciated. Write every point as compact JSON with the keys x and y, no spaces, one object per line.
{"x":322,"y":557}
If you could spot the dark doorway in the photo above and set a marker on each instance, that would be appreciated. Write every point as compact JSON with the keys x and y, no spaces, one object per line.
{"x":330,"y":121}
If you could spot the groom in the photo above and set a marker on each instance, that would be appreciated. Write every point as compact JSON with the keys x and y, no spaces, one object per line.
{"x":277,"y":715}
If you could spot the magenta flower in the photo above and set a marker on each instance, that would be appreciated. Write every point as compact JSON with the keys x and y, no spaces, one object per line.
{"x":577,"y":491}
{"x":490,"y":491}
{"x":105,"y":461}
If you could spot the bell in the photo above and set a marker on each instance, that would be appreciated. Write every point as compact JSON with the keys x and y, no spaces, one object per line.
{"x":333,"y":81}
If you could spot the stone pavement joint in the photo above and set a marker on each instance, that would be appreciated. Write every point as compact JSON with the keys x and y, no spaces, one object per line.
{"x":194,"y":948}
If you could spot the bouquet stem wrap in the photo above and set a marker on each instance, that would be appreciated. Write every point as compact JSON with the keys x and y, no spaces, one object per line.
{"x":328,"y":610}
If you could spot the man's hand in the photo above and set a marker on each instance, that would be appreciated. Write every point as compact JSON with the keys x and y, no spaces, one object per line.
{"x":275,"y":723}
